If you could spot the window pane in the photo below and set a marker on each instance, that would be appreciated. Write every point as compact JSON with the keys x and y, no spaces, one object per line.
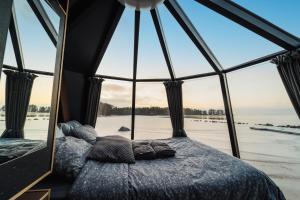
{"x":259,"y":97}
{"x":115,"y":108}
{"x":205,"y":120}
{"x":37,"y":121}
{"x":270,"y":10}
{"x":151,"y":62}
{"x":231,"y":43}
{"x":38,"y":50}
{"x":186,"y":58}
{"x":152,"y":120}
{"x":118,"y":58}
{"x":9,"y":54}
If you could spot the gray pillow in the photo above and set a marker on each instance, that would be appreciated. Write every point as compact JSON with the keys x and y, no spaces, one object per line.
{"x":143,"y":151}
{"x":70,"y":156}
{"x":162,"y":150}
{"x":86,"y":132}
{"x":114,"y":149}
{"x":68,"y":127}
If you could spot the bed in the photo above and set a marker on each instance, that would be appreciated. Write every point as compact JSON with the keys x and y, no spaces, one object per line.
{"x":196,"y":172}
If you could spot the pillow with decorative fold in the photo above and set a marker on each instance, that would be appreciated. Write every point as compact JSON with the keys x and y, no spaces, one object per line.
{"x":143,"y":151}
{"x":68,"y":127}
{"x":70,"y":156}
{"x":113,"y":149}
{"x":86,"y":132}
{"x":162,"y":150}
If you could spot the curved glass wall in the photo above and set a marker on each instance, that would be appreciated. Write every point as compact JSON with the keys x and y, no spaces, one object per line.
{"x":228,"y":40}
{"x":187,"y":59}
{"x":117,"y":60}
{"x":114,"y":109}
{"x":270,"y":10}
{"x":151,"y":62}
{"x":205,"y":119}
{"x":266,"y":123}
{"x":152,"y":120}
{"x":263,"y":112}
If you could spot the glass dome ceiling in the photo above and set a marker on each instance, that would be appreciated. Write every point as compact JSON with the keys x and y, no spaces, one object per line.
{"x":190,"y":39}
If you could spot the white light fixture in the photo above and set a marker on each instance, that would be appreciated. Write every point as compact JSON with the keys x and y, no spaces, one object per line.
{"x":141,"y":4}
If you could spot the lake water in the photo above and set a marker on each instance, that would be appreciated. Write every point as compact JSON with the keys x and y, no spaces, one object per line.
{"x":277,"y":154}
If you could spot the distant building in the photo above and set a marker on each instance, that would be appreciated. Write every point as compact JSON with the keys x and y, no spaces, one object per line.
{"x":211,"y":111}
{"x":215,"y":112}
{"x":220,"y":112}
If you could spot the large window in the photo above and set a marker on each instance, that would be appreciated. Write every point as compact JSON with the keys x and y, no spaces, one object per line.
{"x":186,"y":57}
{"x":117,"y":60}
{"x":232,"y":44}
{"x":151,"y":62}
{"x":270,"y":9}
{"x":205,"y":120}
{"x":152,"y":119}
{"x":261,"y":104}
{"x":115,"y":108}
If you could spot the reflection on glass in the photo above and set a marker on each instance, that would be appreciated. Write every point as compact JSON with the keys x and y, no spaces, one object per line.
{"x":205,"y":119}
{"x":260,"y":102}
{"x":36,"y":126}
{"x":9,"y":55}
{"x":25,"y":97}
{"x":152,"y":120}
{"x":24,"y":113}
{"x":114,"y":113}
{"x":54,"y":18}
{"x":39,"y":52}
{"x":231,"y":43}
{"x":117,"y":60}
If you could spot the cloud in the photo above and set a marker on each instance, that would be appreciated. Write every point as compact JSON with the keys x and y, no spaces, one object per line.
{"x":114,"y":87}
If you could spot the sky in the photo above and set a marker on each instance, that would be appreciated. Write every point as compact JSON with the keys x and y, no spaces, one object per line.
{"x":256,"y":88}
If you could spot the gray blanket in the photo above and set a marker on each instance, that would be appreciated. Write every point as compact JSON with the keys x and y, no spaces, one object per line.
{"x":196,"y":172}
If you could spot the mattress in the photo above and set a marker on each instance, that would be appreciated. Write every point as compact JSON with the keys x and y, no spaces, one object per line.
{"x":196,"y":172}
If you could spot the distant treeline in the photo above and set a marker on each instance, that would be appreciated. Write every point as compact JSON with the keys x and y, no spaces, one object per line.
{"x":108,"y":109}
{"x":34,"y":108}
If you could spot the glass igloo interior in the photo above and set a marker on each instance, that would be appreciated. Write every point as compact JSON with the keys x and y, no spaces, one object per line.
{"x":257,"y":94}
{"x":232,"y":94}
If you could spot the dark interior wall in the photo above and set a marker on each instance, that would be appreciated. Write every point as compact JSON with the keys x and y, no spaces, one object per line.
{"x":87,"y":34}
{"x":73,"y":96}
{"x":91,"y":24}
